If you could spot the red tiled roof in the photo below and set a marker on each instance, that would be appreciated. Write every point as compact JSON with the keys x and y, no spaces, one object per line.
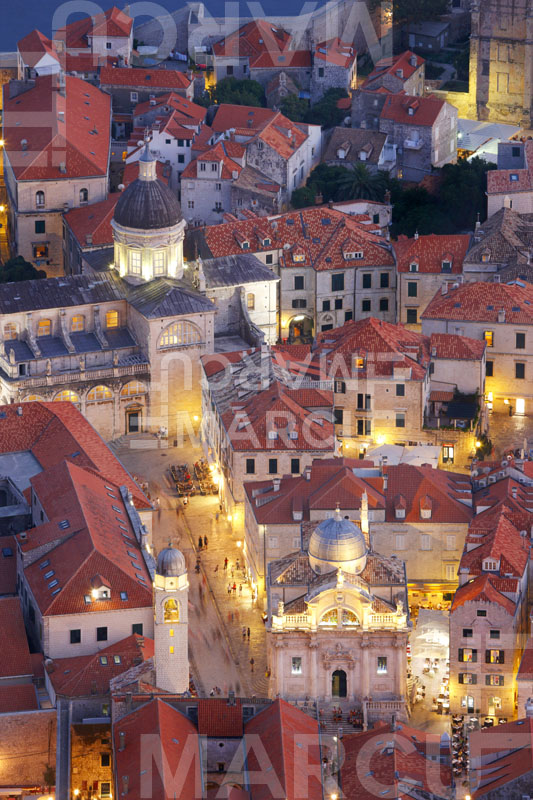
{"x":441,"y":397}
{"x":281,"y":728}
{"x":55,"y":431}
{"x":282,"y":135}
{"x":509,"y":181}
{"x":75,"y":130}
{"x":286,"y":60}
{"x":429,"y":252}
{"x":425,"y":109}
{"x":111,"y":23}
{"x":345,"y":103}
{"x":34,"y":46}
{"x":217,"y":717}
{"x":134,"y":77}
{"x":494,"y":535}
{"x":332,"y":482}
{"x":384,"y":761}
{"x":175,"y":744}
{"x":482,"y":302}
{"x":486,"y":589}
{"x":8,"y":566}
{"x":504,"y":755}
{"x":87,"y":62}
{"x":461,"y":348}
{"x":449,"y":492}
{"x":323,"y":236}
{"x":525,"y":671}
{"x":246,"y":117}
{"x":21,"y":697}
{"x":253,"y":40}
{"x":85,"y":675}
{"x":391,"y":66}
{"x":99,"y":540}
{"x":15,"y":661}
{"x":383,"y":345}
{"x":185,"y":108}
{"x":220,"y":153}
{"x":335,"y":52}
{"x":93,"y":220}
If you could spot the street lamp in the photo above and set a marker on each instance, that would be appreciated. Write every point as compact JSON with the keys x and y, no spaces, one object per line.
{"x":2,"y":142}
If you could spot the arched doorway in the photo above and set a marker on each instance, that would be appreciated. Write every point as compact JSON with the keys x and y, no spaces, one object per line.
{"x":301,"y":330}
{"x":134,"y":419}
{"x":338,"y":683}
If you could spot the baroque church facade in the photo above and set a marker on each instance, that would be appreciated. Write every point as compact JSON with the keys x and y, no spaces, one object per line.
{"x":123,"y":344}
{"x":338,"y":622}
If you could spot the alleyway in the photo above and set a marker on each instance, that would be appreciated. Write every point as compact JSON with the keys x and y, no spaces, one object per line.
{"x":220,"y":656}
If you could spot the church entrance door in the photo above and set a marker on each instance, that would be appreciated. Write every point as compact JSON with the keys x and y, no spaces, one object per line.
{"x":133,"y":419}
{"x":338,"y":683}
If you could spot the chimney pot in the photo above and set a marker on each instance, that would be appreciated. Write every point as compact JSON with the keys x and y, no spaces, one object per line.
{"x":121,"y":741}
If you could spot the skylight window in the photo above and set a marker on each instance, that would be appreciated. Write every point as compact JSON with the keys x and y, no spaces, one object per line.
{"x":117,"y":660}
{"x":103,"y":661}
{"x":56,"y":591}
{"x":45,"y":564}
{"x":131,"y":555}
{"x":118,"y":510}
{"x":123,"y":595}
{"x":64,"y":524}
{"x":49,"y":574}
{"x":53,"y":583}
{"x":88,"y":599}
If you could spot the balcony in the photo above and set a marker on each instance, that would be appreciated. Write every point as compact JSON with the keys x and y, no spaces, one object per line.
{"x":413,"y":144}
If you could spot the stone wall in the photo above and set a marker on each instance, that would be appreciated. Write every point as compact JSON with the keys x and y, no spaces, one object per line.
{"x":27,"y":744}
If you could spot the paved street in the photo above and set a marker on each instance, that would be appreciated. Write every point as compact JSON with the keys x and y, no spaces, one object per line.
{"x":219,"y":654}
{"x":507,"y":433}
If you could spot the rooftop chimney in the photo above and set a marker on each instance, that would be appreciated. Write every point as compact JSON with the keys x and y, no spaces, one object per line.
{"x":307,"y":473}
{"x":19,"y":411}
{"x":416,"y":234}
{"x":62,"y":167}
{"x":276,"y":484}
{"x":385,"y":481}
{"x":121,"y":741}
{"x":125,"y":784}
{"x":501,"y":315}
{"x":231,"y":698}
{"x":529,"y":707}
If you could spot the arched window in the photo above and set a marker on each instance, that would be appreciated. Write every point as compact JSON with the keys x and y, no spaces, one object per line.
{"x":329,"y":618}
{"x":66,"y":396}
{"x":44,"y":327}
{"x":250,"y":301}
{"x":135,"y":262}
{"x":133,"y":388}
{"x":84,"y":196}
{"x":179,"y":334}
{"x":99,"y":393}
{"x":39,"y":199}
{"x":172,"y":610}
{"x":159,"y":262}
{"x":33,"y":398}
{"x":77,"y":323}
{"x":111,"y":319}
{"x":10,"y":330}
{"x":348,"y":617}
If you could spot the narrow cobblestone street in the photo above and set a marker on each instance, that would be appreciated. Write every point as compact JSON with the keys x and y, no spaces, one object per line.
{"x":220,"y":655}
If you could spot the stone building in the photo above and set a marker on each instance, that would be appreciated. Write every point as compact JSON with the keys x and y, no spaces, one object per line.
{"x":500,"y":250}
{"x":500,"y":759}
{"x":511,"y":185}
{"x":337,"y":631}
{"x":171,"y":627}
{"x":63,"y":166}
{"x":259,"y":420}
{"x":425,"y":264}
{"x":350,"y":146}
{"x":498,"y":313}
{"x":36,"y":55}
{"x":129,"y":87}
{"x":501,"y":61}
{"x":405,"y":72}
{"x":108,"y":33}
{"x":334,"y":67}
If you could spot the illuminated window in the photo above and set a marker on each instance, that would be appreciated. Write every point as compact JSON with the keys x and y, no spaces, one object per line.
{"x":179,"y":334}
{"x":133,"y":388}
{"x":359,"y":362}
{"x":111,"y":319}
{"x":159,"y":262}
{"x":494,"y":657}
{"x":77,"y":323}
{"x":44,"y":328}
{"x":135,"y":262}
{"x":296,"y":665}
{"x":171,"y":632}
{"x":250,"y":301}
{"x":171,"y":649}
{"x":10,"y":331}
{"x":33,"y":398}
{"x":66,"y":396}
{"x":330,"y":617}
{"x":489,"y":338}
{"x":171,"y":610}
{"x":382,"y":665}
{"x":467,"y":654}
{"x":84,"y":196}
{"x":40,"y":251}
{"x":494,"y":680}
{"x":99,"y":393}
{"x":348,"y":617}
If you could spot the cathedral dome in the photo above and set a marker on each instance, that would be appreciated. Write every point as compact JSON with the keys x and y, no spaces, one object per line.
{"x":335,"y":543}
{"x":147,"y":203}
{"x":171,"y":563}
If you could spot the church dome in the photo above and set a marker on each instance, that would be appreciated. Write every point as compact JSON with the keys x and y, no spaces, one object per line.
{"x":147,"y":203}
{"x":171,"y":563}
{"x":335,"y":543}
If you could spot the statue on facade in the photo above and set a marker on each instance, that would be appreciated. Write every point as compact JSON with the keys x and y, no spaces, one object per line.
{"x":48,"y":366}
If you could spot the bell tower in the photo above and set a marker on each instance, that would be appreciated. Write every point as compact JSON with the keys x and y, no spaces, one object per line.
{"x":171,"y":590}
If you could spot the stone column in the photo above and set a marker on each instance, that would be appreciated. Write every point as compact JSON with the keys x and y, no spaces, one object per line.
{"x":313,"y":657}
{"x":365,"y":670}
{"x":399,"y":666}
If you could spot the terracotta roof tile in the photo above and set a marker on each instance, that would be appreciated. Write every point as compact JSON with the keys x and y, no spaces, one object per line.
{"x":461,"y":348}
{"x":482,"y":302}
{"x":254,"y":40}
{"x":34,"y":47}
{"x":335,"y":52}
{"x":425,"y":109}
{"x":21,"y":697}
{"x":217,"y":717}
{"x":73,"y":128}
{"x":429,"y":252}
{"x":110,"y":23}
{"x":8,"y":565}
{"x":134,"y":77}
{"x":15,"y":659}
{"x":407,"y":63}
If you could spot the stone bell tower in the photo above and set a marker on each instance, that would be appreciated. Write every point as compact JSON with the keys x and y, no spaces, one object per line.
{"x":171,"y":628}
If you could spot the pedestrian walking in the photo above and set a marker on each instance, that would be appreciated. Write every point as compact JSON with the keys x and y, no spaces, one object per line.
{"x":205,"y":542}
{"x":220,"y":507}
{"x":240,"y":589}
{"x":226,"y":563}
{"x":229,"y":588}
{"x":185,"y":500}
{"x":252,"y":662}
{"x":248,"y":633}
{"x":216,"y":568}
{"x":217,"y":516}
{"x":234,"y":588}
{"x":200,"y":543}
{"x":243,"y":633}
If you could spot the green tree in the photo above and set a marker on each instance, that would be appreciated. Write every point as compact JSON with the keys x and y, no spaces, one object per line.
{"x":461,"y":62}
{"x":18,"y":269}
{"x":294,"y":107}
{"x":238,"y":92}
{"x":418,"y":10}
{"x":303,"y":197}
{"x":360,"y":183}
{"x":325,"y":180}
{"x":463,"y":191}
{"x":325,"y":112}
